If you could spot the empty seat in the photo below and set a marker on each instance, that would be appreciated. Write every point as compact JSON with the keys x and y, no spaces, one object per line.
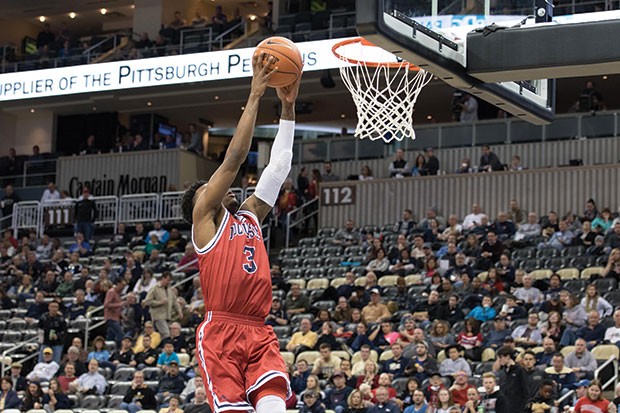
{"x":293,"y":273}
{"x":337,"y":282}
{"x":310,"y":252}
{"x":325,"y":305}
{"x":95,"y":402}
{"x":546,"y":253}
{"x":311,"y":273}
{"x":309,"y":356}
{"x":554,"y":263}
{"x":114,"y":402}
{"x":312,"y":262}
{"x":282,"y":331}
{"x":589,"y":272}
{"x":152,"y":373}
{"x":299,"y":281}
{"x":326,"y":232}
{"x":388,"y":280}
{"x":531,"y":264}
{"x":317,"y":283}
{"x":291,"y":263}
{"x":568,"y":273}
{"x":605,"y":285}
{"x":582,"y":262}
{"x":334,"y":251}
{"x":332,"y":261}
{"x":289,"y":253}
{"x":308,"y":242}
{"x":542,"y":274}
{"x":573,"y":251}
{"x":336,"y":272}
{"x":124,"y":374}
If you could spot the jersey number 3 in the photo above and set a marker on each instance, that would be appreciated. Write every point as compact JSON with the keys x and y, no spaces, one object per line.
{"x":250,"y":266}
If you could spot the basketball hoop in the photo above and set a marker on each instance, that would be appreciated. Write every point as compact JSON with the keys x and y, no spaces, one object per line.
{"x":384,"y":89}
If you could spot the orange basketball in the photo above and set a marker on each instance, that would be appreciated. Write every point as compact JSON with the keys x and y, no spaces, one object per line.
{"x":288,"y":60}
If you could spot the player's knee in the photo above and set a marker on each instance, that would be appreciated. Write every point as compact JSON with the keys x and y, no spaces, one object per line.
{"x":271,"y":404}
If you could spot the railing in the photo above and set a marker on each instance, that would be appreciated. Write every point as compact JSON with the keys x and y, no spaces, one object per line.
{"x":109,"y":43}
{"x":570,"y":394}
{"x":220,"y":38}
{"x":112,"y":210}
{"x":13,"y":349}
{"x":192,"y":40}
{"x":613,"y":375}
{"x":300,"y":215}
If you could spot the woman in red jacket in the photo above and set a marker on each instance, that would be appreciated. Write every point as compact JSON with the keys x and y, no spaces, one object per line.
{"x":593,"y":401}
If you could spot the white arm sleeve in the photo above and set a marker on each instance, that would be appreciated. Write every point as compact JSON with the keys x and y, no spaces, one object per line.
{"x":279,"y":165}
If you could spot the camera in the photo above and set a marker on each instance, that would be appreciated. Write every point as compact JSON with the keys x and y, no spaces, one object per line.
{"x":457,"y":99}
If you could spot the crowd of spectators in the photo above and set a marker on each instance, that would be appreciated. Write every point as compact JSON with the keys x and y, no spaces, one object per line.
{"x":142,"y":357}
{"x":433,"y":316}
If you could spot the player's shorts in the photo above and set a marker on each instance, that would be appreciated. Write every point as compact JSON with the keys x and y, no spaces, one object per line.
{"x":237,"y":355}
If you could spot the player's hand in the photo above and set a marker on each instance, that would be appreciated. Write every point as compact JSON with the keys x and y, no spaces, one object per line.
{"x":261,"y":66}
{"x":288,"y":94}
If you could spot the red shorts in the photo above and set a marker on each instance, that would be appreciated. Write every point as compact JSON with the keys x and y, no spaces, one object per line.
{"x":237,"y":355}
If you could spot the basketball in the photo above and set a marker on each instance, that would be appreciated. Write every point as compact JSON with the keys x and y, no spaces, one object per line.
{"x":288,"y":60}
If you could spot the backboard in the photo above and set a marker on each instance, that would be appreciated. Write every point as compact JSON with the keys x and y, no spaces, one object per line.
{"x":434,"y":36}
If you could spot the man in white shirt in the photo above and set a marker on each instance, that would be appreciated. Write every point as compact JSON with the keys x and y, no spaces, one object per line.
{"x":528,"y":294}
{"x":474,"y":218}
{"x":45,"y":370}
{"x":91,"y":382}
{"x":51,"y":193}
{"x":612,"y":334}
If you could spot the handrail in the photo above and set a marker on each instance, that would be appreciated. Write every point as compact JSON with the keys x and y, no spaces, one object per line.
{"x":225,"y":33}
{"x":13,"y":349}
{"x":304,"y":217}
{"x":101,"y":307}
{"x":88,"y":52}
{"x":566,"y":396}
{"x":208,"y":33}
{"x":614,"y":378}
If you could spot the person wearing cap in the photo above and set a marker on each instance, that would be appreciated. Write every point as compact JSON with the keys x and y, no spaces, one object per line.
{"x":277,"y":316}
{"x":45,"y":369}
{"x":85,"y":215}
{"x":336,"y":397}
{"x":454,"y":362}
{"x":311,"y":403}
{"x":139,"y":396}
{"x":167,"y":356}
{"x":19,"y":382}
{"x":172,"y":382}
{"x":422,"y":365}
{"x":375,"y":311}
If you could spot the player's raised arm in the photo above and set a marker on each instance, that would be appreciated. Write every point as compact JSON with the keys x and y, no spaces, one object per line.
{"x":209,"y":201}
{"x":270,"y":182}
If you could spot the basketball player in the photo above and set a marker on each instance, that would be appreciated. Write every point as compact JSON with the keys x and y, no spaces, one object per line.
{"x":239,"y":356}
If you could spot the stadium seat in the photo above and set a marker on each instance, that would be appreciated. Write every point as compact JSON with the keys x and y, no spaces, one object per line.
{"x":317,"y":283}
{"x":146,"y":411}
{"x":314,"y":272}
{"x":613,"y":297}
{"x":343,"y":355}
{"x":374,"y":356}
{"x":546,"y":253}
{"x":289,"y":253}
{"x":92,"y":402}
{"x":282,"y":331}
{"x":309,"y":356}
{"x":531,"y":264}
{"x":388,"y":280}
{"x":488,"y":354}
{"x":326,"y":232}
{"x":555,"y":263}
{"x":568,"y":273}
{"x":293,"y":273}
{"x":124,"y":374}
{"x":573,"y":251}
{"x":19,"y":411}
{"x":310,"y":252}
{"x":120,"y":387}
{"x":288,"y":357}
{"x":588,"y":272}
{"x":483,"y":276}
{"x":400,"y":384}
{"x":441,"y":356}
{"x":333,"y":261}
{"x":312,"y":262}
{"x":542,"y":274}
{"x":582,"y":263}
{"x":605,"y":351}
{"x":337,"y":282}
{"x":301,"y":282}
{"x":336,"y":271}
{"x":325,"y":305}
{"x":605,"y":285}
{"x":114,"y":401}
{"x":308,"y":242}
{"x":567,"y":350}
{"x":291,"y":263}
{"x":386,"y":355}
{"x":335,"y":251}
{"x":413,"y":279}
{"x":354,"y":250}
{"x":184,"y":359}
{"x":296,"y":319}
{"x":576,"y":286}
{"x":109,"y":411}
{"x":361,"y":281}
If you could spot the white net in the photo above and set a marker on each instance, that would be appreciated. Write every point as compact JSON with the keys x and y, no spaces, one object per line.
{"x":385,"y":97}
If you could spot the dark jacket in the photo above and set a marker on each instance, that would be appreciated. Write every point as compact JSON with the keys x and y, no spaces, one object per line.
{"x":12,"y":401}
{"x":495,"y":403}
{"x":337,"y":397}
{"x":389,"y":407}
{"x":85,"y":211}
{"x":512,"y":382}
{"x":145,"y":395}
{"x":174,"y":385}
{"x":51,"y":324}
{"x":62,"y":401}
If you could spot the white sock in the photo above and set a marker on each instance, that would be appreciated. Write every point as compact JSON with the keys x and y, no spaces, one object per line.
{"x":270,"y":404}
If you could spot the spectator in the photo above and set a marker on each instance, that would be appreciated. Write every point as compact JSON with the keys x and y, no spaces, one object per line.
{"x":365,"y":174}
{"x":612,"y":334}
{"x":45,"y":369}
{"x":155,"y":338}
{"x":563,"y":376}
{"x":380,"y":264}
{"x":395,"y":366}
{"x":528,"y":230}
{"x":85,"y":215}
{"x":460,"y":388}
{"x":590,"y":99}
{"x":504,"y":228}
{"x":304,"y":339}
{"x":219,"y":17}
{"x":347,"y":236}
{"x":297,"y":302}
{"x":163,"y":305}
{"x":489,"y":161}
{"x":147,"y":356}
{"x":33,"y":398}
{"x":593,"y":401}
{"x":469,"y":108}
{"x":419,"y":166}
{"x":432,"y":163}
{"x":473,"y":218}
{"x":45,"y":37}
{"x":91,"y":382}
{"x":112,"y":311}
{"x":299,"y":376}
{"x":581,"y":361}
{"x":528,"y":335}
{"x":602,"y":223}
{"x":311,"y":404}
{"x":177,"y":338}
{"x":88,"y":147}
{"x":139,"y":396}
{"x":419,"y":403}
{"x":54,"y":330}
{"x":81,"y":246}
{"x":55,"y":397}
{"x":100,"y":353}
{"x":8,"y":396}
{"x":172,"y":382}
{"x":454,"y":362}
{"x":123,"y":355}
{"x":199,"y":404}
{"x":173,"y":406}
{"x":483,"y":312}
{"x":592,"y":301}
{"x":50,"y":194}
{"x":406,"y":224}
{"x":515,"y":163}
{"x":162,"y":234}
{"x":490,"y":251}
{"x":356,"y":403}
{"x":74,"y":356}
{"x":337,"y":396}
{"x":384,"y":404}
{"x":399,"y":167}
{"x":328,"y":175}
{"x":167,"y":356}
{"x":10,"y":198}
{"x":512,"y":378}
{"x":493,"y":399}
{"x":176,"y":242}
{"x":465,"y":167}
{"x":375,"y":311}
{"x":18,"y":382}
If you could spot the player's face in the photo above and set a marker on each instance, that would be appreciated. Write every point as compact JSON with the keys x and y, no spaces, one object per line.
{"x":230,"y":202}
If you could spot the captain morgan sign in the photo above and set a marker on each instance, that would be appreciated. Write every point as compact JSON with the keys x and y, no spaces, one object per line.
{"x":159,"y":71}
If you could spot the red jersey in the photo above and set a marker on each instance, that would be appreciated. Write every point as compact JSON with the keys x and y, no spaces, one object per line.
{"x":234,"y":267}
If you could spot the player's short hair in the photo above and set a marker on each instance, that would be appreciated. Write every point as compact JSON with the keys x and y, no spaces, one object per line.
{"x":187,"y":202}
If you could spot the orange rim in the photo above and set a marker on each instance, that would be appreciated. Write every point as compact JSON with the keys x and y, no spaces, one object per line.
{"x":364,"y":42}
